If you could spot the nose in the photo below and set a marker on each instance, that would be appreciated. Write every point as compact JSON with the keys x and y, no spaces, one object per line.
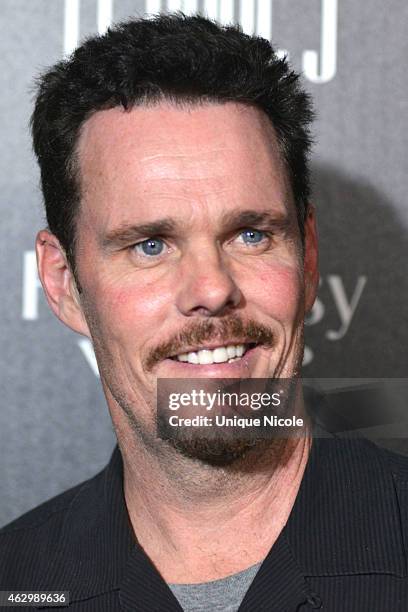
{"x":207,"y":286}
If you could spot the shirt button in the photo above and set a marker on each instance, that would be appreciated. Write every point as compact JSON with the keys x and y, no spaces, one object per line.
{"x":314,"y":601}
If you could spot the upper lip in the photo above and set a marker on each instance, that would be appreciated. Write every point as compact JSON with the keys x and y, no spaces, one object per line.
{"x":210,"y":346}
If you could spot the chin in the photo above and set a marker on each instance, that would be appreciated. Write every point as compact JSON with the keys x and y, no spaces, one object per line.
{"x":214,"y":452}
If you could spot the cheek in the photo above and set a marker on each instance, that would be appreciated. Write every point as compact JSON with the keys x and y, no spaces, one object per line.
{"x":132,"y":312}
{"x":279,"y":292}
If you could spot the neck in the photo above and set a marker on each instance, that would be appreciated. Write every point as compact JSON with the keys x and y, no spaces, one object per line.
{"x":232,"y":515}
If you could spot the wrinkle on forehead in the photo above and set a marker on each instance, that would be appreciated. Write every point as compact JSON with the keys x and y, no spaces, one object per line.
{"x":203,"y":130}
{"x":149,"y":153}
{"x":189,"y":165}
{"x":181,"y":155}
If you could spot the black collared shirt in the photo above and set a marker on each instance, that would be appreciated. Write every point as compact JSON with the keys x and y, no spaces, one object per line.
{"x":342,"y":549}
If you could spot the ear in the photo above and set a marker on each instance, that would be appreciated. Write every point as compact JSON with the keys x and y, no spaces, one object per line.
{"x":58,"y":282}
{"x":311,"y":258}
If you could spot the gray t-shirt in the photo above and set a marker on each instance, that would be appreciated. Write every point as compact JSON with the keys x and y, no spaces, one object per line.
{"x":224,"y":595}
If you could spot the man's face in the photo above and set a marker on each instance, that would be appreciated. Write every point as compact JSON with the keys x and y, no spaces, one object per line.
{"x":188,"y":241}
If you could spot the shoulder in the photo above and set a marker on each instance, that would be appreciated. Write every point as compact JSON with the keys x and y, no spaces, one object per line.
{"x":34,"y":518}
{"x":28,"y":543}
{"x":397,"y":464}
{"x":378,"y":470}
{"x":371,"y":455}
{"x":363,"y":467}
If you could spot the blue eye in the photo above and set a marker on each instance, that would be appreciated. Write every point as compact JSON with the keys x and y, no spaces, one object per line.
{"x":251,"y":236}
{"x":151,"y":246}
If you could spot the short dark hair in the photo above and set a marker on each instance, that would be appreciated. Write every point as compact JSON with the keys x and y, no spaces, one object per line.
{"x":169,"y":57}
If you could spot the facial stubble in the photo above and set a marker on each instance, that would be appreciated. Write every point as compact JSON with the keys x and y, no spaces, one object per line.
{"x":221,"y":450}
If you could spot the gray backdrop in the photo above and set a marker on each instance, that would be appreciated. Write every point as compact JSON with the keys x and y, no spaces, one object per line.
{"x":54,"y":424}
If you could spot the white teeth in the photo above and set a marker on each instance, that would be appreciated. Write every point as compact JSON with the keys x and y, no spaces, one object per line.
{"x":240,"y":350}
{"x":205,"y":357}
{"x":221,"y":354}
{"x":231,"y":352}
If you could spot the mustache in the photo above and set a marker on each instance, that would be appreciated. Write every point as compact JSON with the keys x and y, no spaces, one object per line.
{"x":222,"y":330}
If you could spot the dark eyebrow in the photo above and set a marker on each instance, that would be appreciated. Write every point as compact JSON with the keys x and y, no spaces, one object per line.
{"x":126,"y":233}
{"x":250,"y":218}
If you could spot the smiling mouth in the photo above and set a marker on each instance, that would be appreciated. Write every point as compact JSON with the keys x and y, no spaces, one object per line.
{"x":220,"y":354}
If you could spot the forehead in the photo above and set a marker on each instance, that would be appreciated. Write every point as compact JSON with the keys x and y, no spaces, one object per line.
{"x":219,"y":155}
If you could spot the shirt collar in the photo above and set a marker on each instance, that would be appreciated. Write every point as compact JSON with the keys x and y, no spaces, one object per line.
{"x":345,"y":520}
{"x":346,"y":517}
{"x":96,"y":537}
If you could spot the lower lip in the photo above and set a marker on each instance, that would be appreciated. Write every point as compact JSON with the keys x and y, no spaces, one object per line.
{"x":236,"y":369}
